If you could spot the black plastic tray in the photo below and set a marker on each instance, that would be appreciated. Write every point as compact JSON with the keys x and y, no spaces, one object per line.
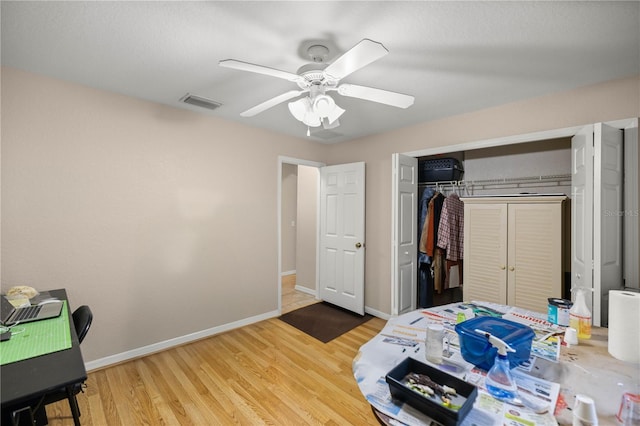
{"x":438,"y":412}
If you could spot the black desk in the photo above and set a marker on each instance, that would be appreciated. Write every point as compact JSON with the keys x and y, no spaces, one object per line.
{"x":24,"y":383}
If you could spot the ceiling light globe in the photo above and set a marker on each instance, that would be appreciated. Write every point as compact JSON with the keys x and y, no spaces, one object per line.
{"x":298,"y":109}
{"x":312,"y":120}
{"x":323,"y":105}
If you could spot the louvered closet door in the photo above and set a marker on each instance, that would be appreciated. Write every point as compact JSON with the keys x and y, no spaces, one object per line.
{"x":485,"y":251}
{"x":534,"y":255}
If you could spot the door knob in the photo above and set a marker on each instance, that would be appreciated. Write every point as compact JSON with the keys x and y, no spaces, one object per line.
{"x":358,"y":245}
{"x":511,"y":268}
{"x":503,"y":267}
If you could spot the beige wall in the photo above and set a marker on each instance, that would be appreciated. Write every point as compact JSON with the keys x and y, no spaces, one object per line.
{"x":613,"y":100}
{"x":289,"y":199}
{"x":123,"y":201}
{"x":307,"y":235}
{"x":129,"y":204}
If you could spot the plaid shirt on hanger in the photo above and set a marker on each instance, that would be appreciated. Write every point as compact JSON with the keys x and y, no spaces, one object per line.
{"x":451,"y":230}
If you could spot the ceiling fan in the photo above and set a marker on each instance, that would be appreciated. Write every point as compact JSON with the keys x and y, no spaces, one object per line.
{"x":316,"y":79}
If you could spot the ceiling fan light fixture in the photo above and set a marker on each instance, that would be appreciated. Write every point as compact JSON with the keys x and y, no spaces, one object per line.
{"x":302,"y":111}
{"x":323,"y":105}
{"x":335,"y":114}
{"x":299,"y":108}
{"x":312,"y":120}
{"x":330,"y":124}
{"x":314,"y":79}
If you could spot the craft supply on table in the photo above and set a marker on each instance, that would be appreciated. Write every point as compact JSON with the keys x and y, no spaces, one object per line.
{"x":499,"y":382}
{"x":580,"y":315}
{"x":558,"y":311}
{"x":584,"y":411}
{"x":571,"y":336}
{"x":476,"y":349}
{"x":434,"y":343}
{"x":629,"y":411}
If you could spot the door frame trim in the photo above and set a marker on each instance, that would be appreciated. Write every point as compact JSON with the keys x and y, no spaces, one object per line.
{"x":298,"y":162}
{"x":516,"y":139}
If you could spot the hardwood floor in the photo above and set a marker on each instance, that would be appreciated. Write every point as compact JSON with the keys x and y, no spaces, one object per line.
{"x":264,"y":373}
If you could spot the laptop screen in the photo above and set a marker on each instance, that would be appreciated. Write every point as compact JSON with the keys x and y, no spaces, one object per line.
{"x":6,"y":309}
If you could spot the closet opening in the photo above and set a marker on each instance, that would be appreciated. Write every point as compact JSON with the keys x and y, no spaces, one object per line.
{"x":596,"y":179}
{"x":523,"y":169}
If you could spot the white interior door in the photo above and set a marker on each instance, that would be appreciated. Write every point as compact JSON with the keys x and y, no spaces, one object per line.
{"x":630,"y":224}
{"x":596,"y":215}
{"x":582,"y":211}
{"x":607,"y":218}
{"x":341,"y":262}
{"x":405,"y":234}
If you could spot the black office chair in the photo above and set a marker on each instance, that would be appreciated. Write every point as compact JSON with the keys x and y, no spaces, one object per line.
{"x":82,"y":318}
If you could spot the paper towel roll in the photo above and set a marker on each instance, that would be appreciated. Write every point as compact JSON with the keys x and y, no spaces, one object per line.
{"x":624,"y":325}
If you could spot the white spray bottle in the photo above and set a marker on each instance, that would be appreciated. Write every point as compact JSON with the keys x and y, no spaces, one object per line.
{"x":499,"y":382}
{"x":580,"y":315}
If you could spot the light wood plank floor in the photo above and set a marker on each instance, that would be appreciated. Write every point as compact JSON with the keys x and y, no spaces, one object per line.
{"x":264,"y":373}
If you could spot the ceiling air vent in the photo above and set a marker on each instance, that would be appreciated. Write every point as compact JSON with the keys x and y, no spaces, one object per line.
{"x":199,"y":101}
{"x":325,"y":134}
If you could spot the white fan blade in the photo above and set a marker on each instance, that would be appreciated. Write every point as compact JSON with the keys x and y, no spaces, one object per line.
{"x":246,"y":66}
{"x":272,"y":102}
{"x":360,"y":55}
{"x":376,"y":95}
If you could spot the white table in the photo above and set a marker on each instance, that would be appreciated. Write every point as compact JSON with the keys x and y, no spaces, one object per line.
{"x":586,"y":368}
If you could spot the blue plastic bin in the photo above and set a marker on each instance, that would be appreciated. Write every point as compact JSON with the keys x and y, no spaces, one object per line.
{"x":476,"y":349}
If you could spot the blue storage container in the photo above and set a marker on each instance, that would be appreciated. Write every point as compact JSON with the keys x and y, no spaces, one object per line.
{"x":476,"y":349}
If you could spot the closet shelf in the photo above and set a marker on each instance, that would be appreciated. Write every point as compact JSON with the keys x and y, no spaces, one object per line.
{"x":549,"y":180}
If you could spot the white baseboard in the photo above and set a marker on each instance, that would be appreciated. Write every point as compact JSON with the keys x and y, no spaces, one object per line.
{"x":288,"y":273}
{"x":167,"y":344}
{"x":377,"y":313}
{"x":160,"y":346}
{"x":306,"y":290}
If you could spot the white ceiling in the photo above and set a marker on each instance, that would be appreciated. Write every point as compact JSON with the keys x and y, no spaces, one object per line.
{"x":454,"y":57}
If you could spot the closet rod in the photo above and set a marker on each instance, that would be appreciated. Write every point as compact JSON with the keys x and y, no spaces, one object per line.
{"x":527,"y":179}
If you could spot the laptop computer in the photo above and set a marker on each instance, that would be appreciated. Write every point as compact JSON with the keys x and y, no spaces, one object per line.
{"x":9,"y":314}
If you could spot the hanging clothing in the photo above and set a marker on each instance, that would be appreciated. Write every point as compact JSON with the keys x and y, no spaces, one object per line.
{"x":454,"y":274}
{"x":430,"y":231}
{"x":427,"y":194}
{"x":438,"y":269}
{"x":425,"y":286}
{"x":425,"y":279}
{"x":451,"y":230}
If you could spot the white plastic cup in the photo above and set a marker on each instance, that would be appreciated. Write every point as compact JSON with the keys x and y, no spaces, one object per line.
{"x":434,"y":343}
{"x":584,"y":411}
{"x":571,"y":336}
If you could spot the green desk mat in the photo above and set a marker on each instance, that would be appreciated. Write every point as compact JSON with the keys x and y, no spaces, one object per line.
{"x":38,"y":338}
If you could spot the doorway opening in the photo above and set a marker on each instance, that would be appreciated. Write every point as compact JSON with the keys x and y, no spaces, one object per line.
{"x":298,"y":196}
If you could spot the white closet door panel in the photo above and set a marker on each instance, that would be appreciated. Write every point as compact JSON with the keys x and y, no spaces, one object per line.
{"x":607,"y":218}
{"x":582,"y":210}
{"x":534,"y":253}
{"x":485,"y":248}
{"x":405,"y":245}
